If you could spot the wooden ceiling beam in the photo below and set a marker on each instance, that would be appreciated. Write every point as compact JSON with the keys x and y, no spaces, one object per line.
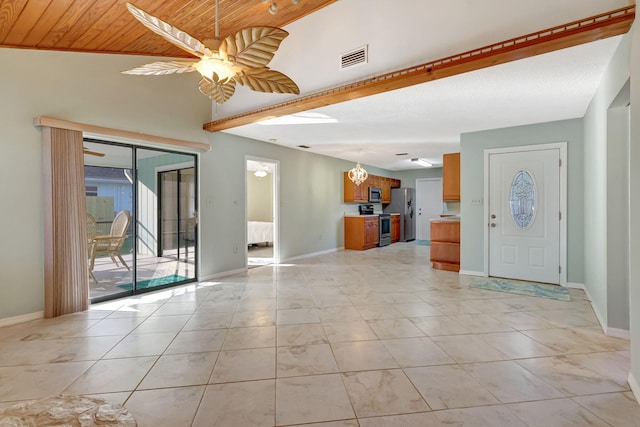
{"x":586,"y":30}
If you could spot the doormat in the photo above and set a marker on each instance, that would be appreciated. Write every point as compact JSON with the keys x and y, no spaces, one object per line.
{"x":423,"y":242}
{"x":156,"y":281}
{"x":522,"y":288}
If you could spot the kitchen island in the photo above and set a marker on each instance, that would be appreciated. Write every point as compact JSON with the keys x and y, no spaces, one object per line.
{"x":445,"y":243}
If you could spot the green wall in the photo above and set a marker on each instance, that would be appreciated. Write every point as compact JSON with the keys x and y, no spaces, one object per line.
{"x":259,"y":197}
{"x":85,"y":88}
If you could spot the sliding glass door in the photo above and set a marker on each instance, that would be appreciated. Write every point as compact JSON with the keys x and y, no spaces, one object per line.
{"x":142,"y":220}
{"x":167,"y":220}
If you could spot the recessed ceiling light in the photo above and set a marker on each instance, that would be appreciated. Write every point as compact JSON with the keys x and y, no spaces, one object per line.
{"x":299,"y":119}
{"x":422,"y":162}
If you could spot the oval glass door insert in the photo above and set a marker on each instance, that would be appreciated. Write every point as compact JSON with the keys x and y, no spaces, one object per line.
{"x":523,"y":199}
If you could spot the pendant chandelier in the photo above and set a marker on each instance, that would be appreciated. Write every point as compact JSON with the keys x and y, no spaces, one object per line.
{"x":358,"y":175}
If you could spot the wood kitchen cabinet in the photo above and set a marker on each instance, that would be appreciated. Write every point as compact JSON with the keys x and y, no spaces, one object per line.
{"x":355,"y":193}
{"x":360,"y":193}
{"x":451,"y":177}
{"x":445,"y":245}
{"x":395,"y":228}
{"x":360,"y":232}
{"x":386,"y":190}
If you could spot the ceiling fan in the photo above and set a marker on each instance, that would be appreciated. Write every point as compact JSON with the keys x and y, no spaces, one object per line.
{"x":239,"y":58}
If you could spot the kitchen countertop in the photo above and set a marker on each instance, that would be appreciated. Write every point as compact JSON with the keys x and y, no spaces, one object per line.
{"x":446,"y":219}
{"x":358,"y":216}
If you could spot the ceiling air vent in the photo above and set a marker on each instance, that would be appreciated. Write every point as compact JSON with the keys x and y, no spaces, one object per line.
{"x":304,"y":146}
{"x":355,"y":57}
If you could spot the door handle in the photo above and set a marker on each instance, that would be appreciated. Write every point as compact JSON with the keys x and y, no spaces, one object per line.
{"x":493,"y":224}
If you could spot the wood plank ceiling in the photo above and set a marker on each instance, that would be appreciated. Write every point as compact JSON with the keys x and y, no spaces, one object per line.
{"x":106,"y":26}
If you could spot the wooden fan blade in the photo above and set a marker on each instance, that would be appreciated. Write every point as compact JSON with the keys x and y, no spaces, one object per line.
{"x":266,"y":80}
{"x":253,"y":46}
{"x":170,"y":33}
{"x":219,"y":92}
{"x":162,"y":68}
{"x":92,"y":153}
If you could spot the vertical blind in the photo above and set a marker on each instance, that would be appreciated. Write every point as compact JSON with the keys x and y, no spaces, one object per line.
{"x":66,"y":282}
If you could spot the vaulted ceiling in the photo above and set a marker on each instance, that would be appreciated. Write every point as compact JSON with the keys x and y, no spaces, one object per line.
{"x":106,"y":26}
{"x":424,"y":120}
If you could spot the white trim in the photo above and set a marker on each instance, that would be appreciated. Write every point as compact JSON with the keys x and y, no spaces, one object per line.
{"x":223,"y":274}
{"x":574,"y":285}
{"x":618,"y":333}
{"x":635,"y":388}
{"x":328,"y":251}
{"x":8,"y":321}
{"x":595,"y":310}
{"x":276,"y":207}
{"x":118,"y":133}
{"x":562,"y":147}
{"x":472,"y":273}
{"x":611,"y":332}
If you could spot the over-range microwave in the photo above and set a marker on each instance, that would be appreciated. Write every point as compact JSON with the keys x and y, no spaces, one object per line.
{"x":375,"y":195}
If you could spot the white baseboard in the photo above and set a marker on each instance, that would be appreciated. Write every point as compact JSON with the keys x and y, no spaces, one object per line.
{"x":574,"y":285}
{"x":618,"y":333}
{"x":8,"y":321}
{"x":472,"y":273}
{"x":635,"y":388}
{"x":223,"y":274}
{"x":603,"y":324}
{"x":328,"y":251}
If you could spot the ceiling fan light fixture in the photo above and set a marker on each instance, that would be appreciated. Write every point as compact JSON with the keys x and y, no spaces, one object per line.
{"x":240,"y":58}
{"x":216,"y":68}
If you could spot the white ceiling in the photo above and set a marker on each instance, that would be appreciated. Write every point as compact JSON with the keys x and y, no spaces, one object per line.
{"x":426,"y":120}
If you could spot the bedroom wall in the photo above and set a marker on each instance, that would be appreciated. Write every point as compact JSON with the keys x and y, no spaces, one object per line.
{"x":259,"y":198}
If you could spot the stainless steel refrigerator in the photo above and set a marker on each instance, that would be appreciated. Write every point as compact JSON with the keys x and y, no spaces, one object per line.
{"x":403,"y":202}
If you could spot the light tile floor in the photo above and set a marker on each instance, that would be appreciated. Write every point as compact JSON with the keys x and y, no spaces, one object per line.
{"x":346,"y":339}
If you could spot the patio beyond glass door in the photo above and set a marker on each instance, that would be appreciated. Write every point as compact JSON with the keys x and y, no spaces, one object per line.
{"x":141,"y":218}
{"x":109,"y":193}
{"x":177,"y":214}
{"x":166,"y":220}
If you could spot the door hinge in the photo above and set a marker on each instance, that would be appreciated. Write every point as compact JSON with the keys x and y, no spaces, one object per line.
{"x":560,"y":162}
{"x":559,"y":269}
{"x":560,"y":216}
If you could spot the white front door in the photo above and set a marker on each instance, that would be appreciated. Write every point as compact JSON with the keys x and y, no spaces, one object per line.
{"x":429,"y":205}
{"x":524,"y":215}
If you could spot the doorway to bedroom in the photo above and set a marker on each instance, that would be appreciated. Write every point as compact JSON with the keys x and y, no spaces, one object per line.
{"x":261,"y":211}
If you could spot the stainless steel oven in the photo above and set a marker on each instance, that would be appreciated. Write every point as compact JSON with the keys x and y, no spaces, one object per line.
{"x":384,"y":229}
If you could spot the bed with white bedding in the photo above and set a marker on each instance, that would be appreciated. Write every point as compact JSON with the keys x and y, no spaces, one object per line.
{"x":259,"y":232}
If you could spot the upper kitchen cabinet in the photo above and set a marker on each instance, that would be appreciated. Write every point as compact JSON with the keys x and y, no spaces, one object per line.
{"x":451,"y":177}
{"x":355,"y":193}
{"x":360,"y":193}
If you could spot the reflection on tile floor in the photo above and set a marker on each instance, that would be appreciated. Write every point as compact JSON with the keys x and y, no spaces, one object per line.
{"x":114,"y":279}
{"x":373,"y":338}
